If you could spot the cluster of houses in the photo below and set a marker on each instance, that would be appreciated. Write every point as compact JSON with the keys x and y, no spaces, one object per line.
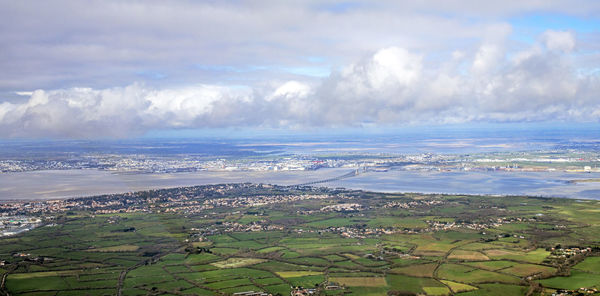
{"x":252,"y":293}
{"x":343,"y":207}
{"x":260,"y":200}
{"x":328,"y":286}
{"x":567,"y":252}
{"x":412,"y":204}
{"x":301,"y":291}
{"x":580,"y":291}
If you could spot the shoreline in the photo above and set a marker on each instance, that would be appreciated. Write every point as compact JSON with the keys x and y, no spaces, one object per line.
{"x":68,"y":184}
{"x":12,"y":201}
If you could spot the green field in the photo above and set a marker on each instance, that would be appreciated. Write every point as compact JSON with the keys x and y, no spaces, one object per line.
{"x":289,"y":274}
{"x":458,"y":287}
{"x":576,"y":280}
{"x":273,"y":247}
{"x":237,"y":262}
{"x":121,"y":248}
{"x":591,"y":264}
{"x":360,"y":281}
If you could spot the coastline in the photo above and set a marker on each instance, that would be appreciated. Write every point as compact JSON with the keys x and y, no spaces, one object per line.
{"x":52,"y":185}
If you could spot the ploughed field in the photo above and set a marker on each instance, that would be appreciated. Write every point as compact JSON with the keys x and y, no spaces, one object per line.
{"x":284,"y":239}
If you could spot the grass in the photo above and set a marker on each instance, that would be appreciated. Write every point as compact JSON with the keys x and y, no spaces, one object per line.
{"x":347,"y":264}
{"x":497,"y":290}
{"x":237,"y":262}
{"x":458,"y":287}
{"x":172,"y":285}
{"x":269,"y":281}
{"x":291,"y":274}
{"x":492,"y":265}
{"x":141,"y":282}
{"x":121,"y":248}
{"x":230,"y":291}
{"x":283,"y":289}
{"x":396,"y":222}
{"x":577,"y":279}
{"x":478,"y":246}
{"x":335,"y":222}
{"x":366,"y":291}
{"x":306,"y":281}
{"x":231,"y":273}
{"x":177,"y":269}
{"x":254,"y":245}
{"x":147,"y":270}
{"x":590,"y":264}
{"x":178,"y":257}
{"x":270,"y":250}
{"x":468,"y":255}
{"x":219,"y":285}
{"x":310,"y":261}
{"x":359,"y":281}
{"x":201,"y":244}
{"x":195,"y":291}
{"x":334,"y":258}
{"x":428,"y":246}
{"x":535,"y":256}
{"x":225,"y":251}
{"x":200,"y":258}
{"x":464,"y":274}
{"x":529,"y":269}
{"x":404,"y":283}
{"x":351,"y":256}
{"x":417,"y":270}
{"x":436,"y":290}
{"x":31,"y":275}
{"x":16,"y":286}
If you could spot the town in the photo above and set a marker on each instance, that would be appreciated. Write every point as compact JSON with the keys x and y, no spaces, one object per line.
{"x":139,"y":163}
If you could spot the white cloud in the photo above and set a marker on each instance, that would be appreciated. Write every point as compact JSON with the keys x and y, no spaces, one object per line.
{"x":559,"y":40}
{"x":392,"y":85}
{"x":102,"y":44}
{"x":291,"y":89}
{"x":487,"y":58}
{"x":394,"y":66}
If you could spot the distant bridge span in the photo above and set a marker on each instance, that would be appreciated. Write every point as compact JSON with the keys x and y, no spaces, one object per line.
{"x":344,"y":176}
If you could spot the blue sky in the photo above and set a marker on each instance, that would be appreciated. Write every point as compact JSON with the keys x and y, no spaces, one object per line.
{"x":539,"y":22}
{"x":128,"y":68}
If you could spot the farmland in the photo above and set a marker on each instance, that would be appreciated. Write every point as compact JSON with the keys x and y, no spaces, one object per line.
{"x":276,"y":239}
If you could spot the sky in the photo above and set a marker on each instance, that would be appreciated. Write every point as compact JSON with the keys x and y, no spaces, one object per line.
{"x":122,"y":69}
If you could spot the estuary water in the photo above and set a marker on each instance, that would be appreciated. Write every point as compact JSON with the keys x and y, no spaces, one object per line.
{"x":552,"y":184}
{"x":75,"y":183}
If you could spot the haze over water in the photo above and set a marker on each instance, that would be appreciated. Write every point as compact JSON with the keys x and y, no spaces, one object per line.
{"x":74,"y":183}
{"x":441,"y":140}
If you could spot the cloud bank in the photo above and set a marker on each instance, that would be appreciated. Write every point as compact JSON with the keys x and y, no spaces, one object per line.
{"x":392,"y":86}
{"x":106,"y":43}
